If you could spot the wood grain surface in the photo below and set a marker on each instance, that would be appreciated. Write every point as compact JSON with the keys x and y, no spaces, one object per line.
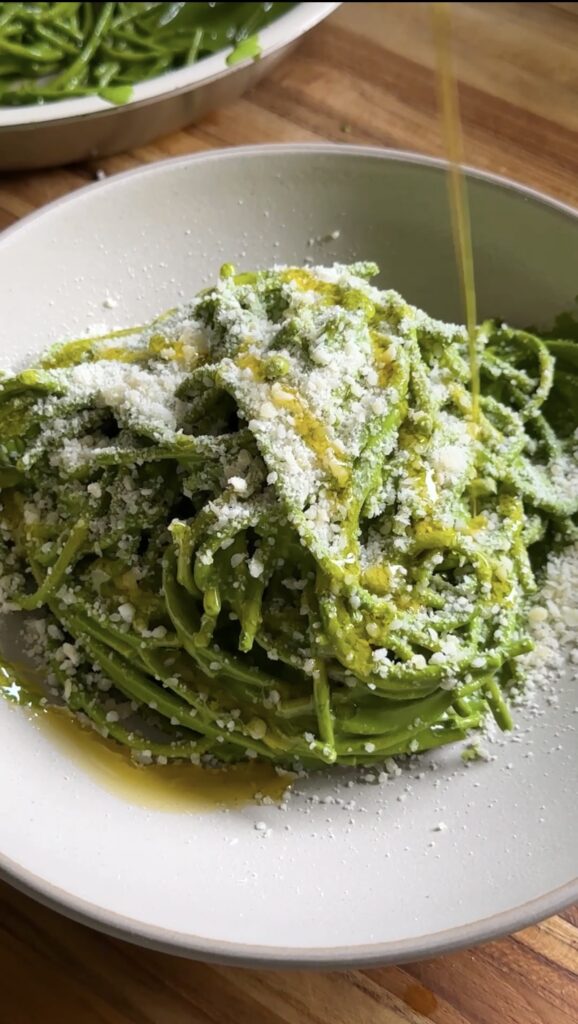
{"x":364,"y":76}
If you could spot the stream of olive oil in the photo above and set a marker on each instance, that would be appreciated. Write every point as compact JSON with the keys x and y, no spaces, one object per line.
{"x":178,"y":787}
{"x":459,"y":207}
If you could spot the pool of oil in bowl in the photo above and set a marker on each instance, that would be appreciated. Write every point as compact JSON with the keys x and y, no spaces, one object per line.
{"x":169,"y":788}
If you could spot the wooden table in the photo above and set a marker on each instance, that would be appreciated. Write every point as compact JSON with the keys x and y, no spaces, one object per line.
{"x":364,"y":76}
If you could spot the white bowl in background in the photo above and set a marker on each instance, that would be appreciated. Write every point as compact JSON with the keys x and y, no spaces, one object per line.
{"x":85,"y":128}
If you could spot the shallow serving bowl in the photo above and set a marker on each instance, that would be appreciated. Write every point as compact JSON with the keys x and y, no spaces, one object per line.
{"x":374,"y":877}
{"x":87,"y":127}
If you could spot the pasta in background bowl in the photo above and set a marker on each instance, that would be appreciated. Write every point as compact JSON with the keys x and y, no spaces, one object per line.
{"x":83,"y":124}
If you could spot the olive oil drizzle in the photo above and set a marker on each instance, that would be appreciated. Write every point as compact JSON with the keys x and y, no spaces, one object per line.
{"x":173,"y":788}
{"x":459,"y":207}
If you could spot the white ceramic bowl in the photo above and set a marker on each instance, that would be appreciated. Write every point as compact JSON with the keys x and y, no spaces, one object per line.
{"x":87,"y":127}
{"x":330,"y":885}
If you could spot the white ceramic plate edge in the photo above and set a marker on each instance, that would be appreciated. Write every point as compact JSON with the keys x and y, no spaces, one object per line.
{"x":244,"y":955}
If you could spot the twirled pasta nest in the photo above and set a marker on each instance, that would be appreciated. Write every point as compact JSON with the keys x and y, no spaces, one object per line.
{"x":266,"y":526}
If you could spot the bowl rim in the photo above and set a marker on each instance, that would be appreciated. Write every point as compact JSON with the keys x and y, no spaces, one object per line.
{"x":285,"y":29}
{"x":243,"y":954}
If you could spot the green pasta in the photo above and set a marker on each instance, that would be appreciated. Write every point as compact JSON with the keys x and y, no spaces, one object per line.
{"x":265,"y":525}
{"x":54,"y":51}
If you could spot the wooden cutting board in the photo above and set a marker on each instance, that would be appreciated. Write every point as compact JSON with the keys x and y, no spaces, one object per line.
{"x":364,"y":76}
